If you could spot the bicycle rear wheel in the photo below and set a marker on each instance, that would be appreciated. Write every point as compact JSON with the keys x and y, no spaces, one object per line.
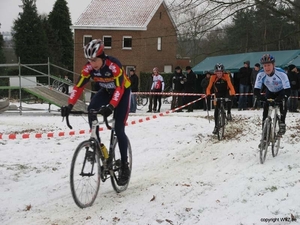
{"x":55,"y":84}
{"x":221,"y":124}
{"x":265,"y":141}
{"x":85,"y":174}
{"x":62,"y":88}
{"x":116,"y":166}
{"x":142,"y":101}
{"x":276,"y":138}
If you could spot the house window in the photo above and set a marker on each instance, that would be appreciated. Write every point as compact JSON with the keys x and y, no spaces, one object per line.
{"x":128,"y":68}
{"x":159,"y":43}
{"x":168,"y":68}
{"x":127,"y":42}
{"x":107,"y":41}
{"x":86,"y":39}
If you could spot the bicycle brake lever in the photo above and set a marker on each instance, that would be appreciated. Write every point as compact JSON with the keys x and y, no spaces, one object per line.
{"x":68,"y":123}
{"x":106,"y":123}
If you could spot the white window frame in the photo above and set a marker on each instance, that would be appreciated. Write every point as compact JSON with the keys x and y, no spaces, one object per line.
{"x":128,"y":68}
{"x":83,"y":39}
{"x":159,"y":44}
{"x":168,"y":68}
{"x":129,"y":48}
{"x":107,"y":36}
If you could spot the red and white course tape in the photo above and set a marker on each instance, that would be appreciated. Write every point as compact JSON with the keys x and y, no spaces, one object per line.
{"x":48,"y":135}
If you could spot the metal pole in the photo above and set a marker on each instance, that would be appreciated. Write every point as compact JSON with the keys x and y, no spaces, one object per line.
{"x":48,"y":72}
{"x":20,"y":86}
{"x":207,"y":109}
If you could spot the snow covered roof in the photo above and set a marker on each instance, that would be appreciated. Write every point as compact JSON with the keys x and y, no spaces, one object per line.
{"x":118,"y":14}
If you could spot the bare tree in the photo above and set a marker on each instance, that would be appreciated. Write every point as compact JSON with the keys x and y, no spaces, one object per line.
{"x":198,"y":21}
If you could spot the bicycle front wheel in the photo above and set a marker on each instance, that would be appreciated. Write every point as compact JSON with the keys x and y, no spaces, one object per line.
{"x":265,"y":141}
{"x":275,"y":138}
{"x":85,"y":174}
{"x":144,"y":100}
{"x":221,"y":124}
{"x":116,"y":166}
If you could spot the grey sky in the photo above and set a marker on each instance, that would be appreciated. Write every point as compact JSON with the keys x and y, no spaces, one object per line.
{"x":9,"y":10}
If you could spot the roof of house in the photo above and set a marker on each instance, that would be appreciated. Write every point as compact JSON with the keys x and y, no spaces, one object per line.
{"x":118,"y":14}
{"x":234,"y":62}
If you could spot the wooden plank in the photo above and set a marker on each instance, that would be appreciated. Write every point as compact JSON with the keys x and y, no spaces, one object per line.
{"x":55,"y":97}
{"x":4,"y":105}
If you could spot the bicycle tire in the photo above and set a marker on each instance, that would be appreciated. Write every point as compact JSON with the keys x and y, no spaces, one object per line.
{"x":85,"y":160}
{"x":275,"y":138}
{"x":144,"y":100}
{"x":221,"y":124}
{"x":62,"y":88}
{"x":116,"y":164}
{"x":265,"y":140}
{"x":141,"y":101}
{"x":55,"y":84}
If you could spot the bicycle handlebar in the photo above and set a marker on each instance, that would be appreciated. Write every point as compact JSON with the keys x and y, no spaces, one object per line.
{"x":270,"y":100}
{"x":222,"y":99}
{"x":276,"y":102}
{"x":84,"y":112}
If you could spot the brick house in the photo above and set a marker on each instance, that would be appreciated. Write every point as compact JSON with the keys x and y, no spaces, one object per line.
{"x":140,"y":33}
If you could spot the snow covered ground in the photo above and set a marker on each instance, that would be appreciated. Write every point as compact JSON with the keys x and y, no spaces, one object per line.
{"x":181,"y":173}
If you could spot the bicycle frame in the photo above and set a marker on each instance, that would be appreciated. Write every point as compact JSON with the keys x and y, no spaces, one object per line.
{"x":273,"y":115}
{"x":269,"y":130}
{"x":222,"y":120}
{"x":95,"y":166}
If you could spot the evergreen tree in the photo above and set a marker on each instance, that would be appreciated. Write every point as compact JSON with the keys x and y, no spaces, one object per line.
{"x":239,"y":34}
{"x":29,"y":36}
{"x":2,"y":57}
{"x":60,"y":21}
{"x":54,"y":45}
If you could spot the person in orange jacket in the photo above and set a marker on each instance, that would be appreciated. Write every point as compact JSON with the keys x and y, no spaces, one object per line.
{"x":221,"y":84}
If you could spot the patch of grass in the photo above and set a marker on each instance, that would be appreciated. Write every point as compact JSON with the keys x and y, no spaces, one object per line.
{"x":244,"y":201}
{"x":272,"y":189}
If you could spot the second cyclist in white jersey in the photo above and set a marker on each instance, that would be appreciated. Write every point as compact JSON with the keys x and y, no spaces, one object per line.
{"x":277,"y":87}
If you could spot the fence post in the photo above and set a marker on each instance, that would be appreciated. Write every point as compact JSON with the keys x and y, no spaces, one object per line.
{"x":48,"y":72}
{"x":20,"y":86}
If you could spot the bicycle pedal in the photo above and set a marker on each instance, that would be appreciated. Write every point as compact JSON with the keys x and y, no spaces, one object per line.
{"x":118,"y":163}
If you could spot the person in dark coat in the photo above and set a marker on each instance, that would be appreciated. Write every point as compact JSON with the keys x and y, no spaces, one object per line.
{"x":253,"y":79}
{"x":150,"y":96}
{"x":189,"y":87}
{"x":134,"y":79}
{"x":66,"y":85}
{"x":177,"y":81}
{"x":204,"y":84}
{"x":293,"y":76}
{"x":244,"y":87}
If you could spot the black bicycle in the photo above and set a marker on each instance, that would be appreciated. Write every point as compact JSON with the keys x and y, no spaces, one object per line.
{"x":221,"y":117}
{"x":270,"y":131}
{"x":61,"y":85}
{"x":92,"y":162}
{"x":141,"y":101}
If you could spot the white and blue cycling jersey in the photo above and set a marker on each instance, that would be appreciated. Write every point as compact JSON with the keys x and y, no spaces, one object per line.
{"x":275,"y":83}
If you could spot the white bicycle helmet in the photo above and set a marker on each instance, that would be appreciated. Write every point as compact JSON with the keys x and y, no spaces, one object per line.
{"x":94,"y":49}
